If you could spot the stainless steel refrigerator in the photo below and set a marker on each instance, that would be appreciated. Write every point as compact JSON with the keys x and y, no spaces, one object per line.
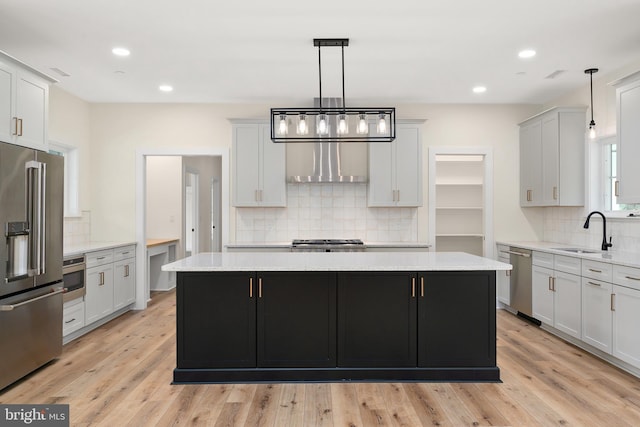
{"x":31,"y":214}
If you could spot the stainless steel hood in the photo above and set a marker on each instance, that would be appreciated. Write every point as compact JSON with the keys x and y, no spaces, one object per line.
{"x":327,"y":158}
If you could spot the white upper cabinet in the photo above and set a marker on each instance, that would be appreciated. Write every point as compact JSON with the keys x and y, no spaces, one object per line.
{"x":552,"y":158}
{"x":628,"y":131}
{"x":24,"y":105}
{"x":395,"y":169}
{"x":258,"y":167}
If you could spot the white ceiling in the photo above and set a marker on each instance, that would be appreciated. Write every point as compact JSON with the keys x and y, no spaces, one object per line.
{"x":256,"y":51}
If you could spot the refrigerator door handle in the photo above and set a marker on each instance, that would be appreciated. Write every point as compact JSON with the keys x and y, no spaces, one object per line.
{"x":11,"y":307}
{"x":36,"y":175}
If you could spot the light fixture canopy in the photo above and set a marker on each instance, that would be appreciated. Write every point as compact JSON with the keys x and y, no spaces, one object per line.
{"x":332,"y":124}
{"x":592,"y":123}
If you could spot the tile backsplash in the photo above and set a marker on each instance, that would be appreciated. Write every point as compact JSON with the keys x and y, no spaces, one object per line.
{"x":326,"y":211}
{"x":565,"y":225}
{"x":77,"y":230}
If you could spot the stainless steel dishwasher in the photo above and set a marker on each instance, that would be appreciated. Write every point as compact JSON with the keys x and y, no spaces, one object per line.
{"x":520,"y":285}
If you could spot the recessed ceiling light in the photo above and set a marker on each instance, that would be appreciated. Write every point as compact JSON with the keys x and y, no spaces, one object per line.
{"x":120,"y":51}
{"x":165,"y":88}
{"x":479,"y":89}
{"x":527,"y":53}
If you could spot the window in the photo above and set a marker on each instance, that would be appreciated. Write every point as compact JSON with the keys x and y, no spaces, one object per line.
{"x":70,"y":154}
{"x":610,"y":174}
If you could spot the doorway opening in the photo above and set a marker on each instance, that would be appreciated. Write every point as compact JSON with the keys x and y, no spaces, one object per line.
{"x":176,"y":191}
{"x":461,"y":200}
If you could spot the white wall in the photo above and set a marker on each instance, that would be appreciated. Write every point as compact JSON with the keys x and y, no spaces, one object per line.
{"x":564,"y":225}
{"x":117,"y":130}
{"x":70,"y":123}
{"x":164,"y":197}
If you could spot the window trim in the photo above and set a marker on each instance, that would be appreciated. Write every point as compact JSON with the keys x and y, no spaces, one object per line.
{"x":71,"y":177}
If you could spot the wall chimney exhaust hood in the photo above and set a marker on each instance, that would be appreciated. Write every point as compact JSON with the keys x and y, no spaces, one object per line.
{"x":327,"y":160}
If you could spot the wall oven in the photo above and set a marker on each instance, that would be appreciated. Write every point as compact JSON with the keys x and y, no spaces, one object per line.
{"x":73,"y":277}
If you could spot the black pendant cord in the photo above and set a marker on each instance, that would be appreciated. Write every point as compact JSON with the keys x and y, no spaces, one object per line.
{"x":320,"y":74}
{"x":591,"y":84}
{"x":343,"y":99}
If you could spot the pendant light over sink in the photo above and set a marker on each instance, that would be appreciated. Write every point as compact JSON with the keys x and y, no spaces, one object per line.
{"x":592,"y":124}
{"x":335,"y":123}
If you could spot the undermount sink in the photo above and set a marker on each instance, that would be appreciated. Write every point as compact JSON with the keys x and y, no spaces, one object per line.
{"x":578,"y":250}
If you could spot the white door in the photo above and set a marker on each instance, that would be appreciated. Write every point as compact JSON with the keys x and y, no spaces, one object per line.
{"x":626,"y":318}
{"x":215,"y":215}
{"x":191,"y":213}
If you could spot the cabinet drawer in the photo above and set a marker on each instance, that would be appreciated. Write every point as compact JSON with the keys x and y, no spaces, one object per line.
{"x":94,"y":259}
{"x":626,"y":276}
{"x":124,"y":252}
{"x":597,"y":270}
{"x":542,"y":259}
{"x":567,"y":264}
{"x":72,"y":318}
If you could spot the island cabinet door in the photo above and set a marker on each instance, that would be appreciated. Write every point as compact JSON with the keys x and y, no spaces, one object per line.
{"x":377,"y":319}
{"x":457,"y":319}
{"x":296,"y":319}
{"x":216,"y":320}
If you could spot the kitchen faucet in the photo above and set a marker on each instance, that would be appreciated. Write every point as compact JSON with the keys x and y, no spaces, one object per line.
{"x":605,"y":245}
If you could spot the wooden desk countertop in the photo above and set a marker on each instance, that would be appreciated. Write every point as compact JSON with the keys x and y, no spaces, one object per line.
{"x":158,"y":242}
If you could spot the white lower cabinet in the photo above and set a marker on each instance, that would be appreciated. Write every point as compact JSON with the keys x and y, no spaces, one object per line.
{"x":72,"y":316}
{"x":124,"y":280}
{"x":596,"y":313}
{"x":556,"y":295}
{"x":626,"y":318}
{"x":110,"y":282}
{"x":542,"y":294}
{"x":503,"y":279}
{"x":99,"y":297}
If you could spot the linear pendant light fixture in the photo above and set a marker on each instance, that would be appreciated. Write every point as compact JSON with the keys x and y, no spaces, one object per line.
{"x":592,"y":124}
{"x":333,"y":124}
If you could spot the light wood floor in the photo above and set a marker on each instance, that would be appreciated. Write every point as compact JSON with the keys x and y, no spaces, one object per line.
{"x":120,"y":374}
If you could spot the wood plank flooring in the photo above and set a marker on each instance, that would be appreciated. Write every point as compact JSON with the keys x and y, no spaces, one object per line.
{"x":120,"y":375}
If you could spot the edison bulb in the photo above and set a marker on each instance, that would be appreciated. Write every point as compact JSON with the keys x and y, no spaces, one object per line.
{"x":302,"y":128}
{"x":382,"y":124}
{"x":343,"y":125}
{"x":283,"y":128}
{"x":323,"y":127}
{"x":362,"y":124}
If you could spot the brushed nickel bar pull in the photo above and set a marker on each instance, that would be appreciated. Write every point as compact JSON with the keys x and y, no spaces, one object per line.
{"x":550,"y":283}
{"x":69,"y":321}
{"x":554,"y":284}
{"x":529,"y":195}
{"x":101,"y":274}
{"x":594,"y":284}
{"x":250,"y":287}
{"x":422,"y":287}
{"x":613,"y":307}
{"x":15,"y":126}
{"x":595,"y":271}
{"x":20,"y":133}
{"x":413,"y":287}
{"x":259,"y":287}
{"x":508,"y":273}
{"x":616,"y":190}
{"x":126,"y":270}
{"x":398,"y":195}
{"x":518,"y":253}
{"x":631,"y":278}
{"x":555,"y":193}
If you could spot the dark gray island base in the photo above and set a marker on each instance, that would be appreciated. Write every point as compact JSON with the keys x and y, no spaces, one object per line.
{"x":333,"y":326}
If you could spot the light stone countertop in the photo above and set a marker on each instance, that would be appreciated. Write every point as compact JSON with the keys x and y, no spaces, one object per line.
{"x":276,"y":245}
{"x":335,"y":261}
{"x":84,"y":248}
{"x":612,"y":256}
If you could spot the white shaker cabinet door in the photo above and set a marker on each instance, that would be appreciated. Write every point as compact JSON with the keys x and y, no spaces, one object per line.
{"x":596,"y":313}
{"x":628,"y":112}
{"x":542,"y":294}
{"x":626,"y":318}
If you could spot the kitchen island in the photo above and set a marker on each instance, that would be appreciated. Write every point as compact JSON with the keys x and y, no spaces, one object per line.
{"x":357,"y":316}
